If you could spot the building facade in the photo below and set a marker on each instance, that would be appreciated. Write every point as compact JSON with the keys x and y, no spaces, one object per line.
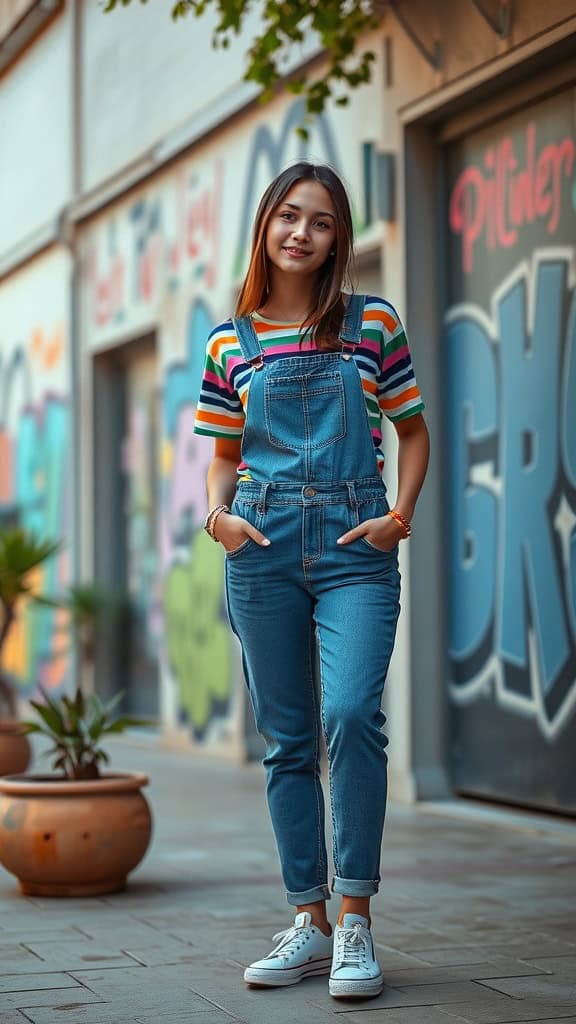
{"x":135,"y":160}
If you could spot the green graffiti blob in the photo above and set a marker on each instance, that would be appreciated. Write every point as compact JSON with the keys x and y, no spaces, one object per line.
{"x":197,"y":639}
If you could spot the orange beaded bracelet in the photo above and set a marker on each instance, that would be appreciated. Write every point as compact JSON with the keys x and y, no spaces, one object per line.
{"x":395,"y":514}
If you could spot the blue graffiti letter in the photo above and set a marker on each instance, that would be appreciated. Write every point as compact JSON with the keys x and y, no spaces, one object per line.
{"x":471,"y":418}
{"x":529,"y":439}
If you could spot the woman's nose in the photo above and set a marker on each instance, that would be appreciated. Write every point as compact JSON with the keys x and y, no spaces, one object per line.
{"x":300,"y":231}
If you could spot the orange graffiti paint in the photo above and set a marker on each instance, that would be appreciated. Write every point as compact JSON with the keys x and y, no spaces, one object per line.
{"x":47,"y":351}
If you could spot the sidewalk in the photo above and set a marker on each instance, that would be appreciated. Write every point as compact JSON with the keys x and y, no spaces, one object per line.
{"x":475,"y":920}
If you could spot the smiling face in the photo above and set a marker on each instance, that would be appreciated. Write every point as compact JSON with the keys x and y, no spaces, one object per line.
{"x":301,"y":231}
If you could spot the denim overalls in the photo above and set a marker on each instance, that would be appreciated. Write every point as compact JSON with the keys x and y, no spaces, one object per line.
{"x":308,"y":444}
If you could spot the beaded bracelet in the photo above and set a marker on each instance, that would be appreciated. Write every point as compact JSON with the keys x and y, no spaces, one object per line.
{"x":211,"y":518}
{"x":395,"y":514}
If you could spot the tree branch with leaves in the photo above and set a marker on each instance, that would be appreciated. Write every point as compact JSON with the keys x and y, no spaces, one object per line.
{"x":338,"y":24}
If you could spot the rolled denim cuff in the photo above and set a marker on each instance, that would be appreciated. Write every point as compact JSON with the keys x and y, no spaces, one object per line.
{"x":355,"y":886}
{"x":320,"y":892}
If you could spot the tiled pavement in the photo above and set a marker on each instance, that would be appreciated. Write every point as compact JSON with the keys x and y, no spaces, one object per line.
{"x":475,"y":921}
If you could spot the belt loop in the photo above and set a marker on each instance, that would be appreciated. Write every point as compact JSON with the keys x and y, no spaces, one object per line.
{"x":261,"y":509}
{"x":352,"y":497}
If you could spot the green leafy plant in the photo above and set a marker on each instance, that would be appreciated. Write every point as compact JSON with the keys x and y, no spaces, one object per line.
{"x":20,"y":553}
{"x":337,"y":23}
{"x":76,"y":726}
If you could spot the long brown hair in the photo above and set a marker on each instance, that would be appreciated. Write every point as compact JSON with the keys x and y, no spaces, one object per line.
{"x":325,"y":318}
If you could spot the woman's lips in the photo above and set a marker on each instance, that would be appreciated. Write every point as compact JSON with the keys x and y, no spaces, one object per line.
{"x":296,"y":253}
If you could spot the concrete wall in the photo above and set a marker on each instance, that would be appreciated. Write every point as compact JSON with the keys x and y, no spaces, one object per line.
{"x":35,"y":170}
{"x":35,"y":450}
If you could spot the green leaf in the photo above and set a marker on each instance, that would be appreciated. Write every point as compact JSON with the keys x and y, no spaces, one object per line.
{"x":28,"y":727}
{"x":50,"y":717}
{"x":109,"y":708}
{"x":127,"y":723}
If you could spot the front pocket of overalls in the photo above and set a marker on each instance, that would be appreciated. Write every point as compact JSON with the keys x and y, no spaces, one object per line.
{"x":374,"y":510}
{"x":246,"y":510}
{"x":306,"y":411}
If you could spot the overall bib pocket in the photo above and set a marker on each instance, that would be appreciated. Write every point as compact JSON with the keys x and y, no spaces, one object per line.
{"x":305,"y":411}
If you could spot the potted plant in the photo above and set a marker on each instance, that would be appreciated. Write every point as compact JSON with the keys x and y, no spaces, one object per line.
{"x":81,"y":832}
{"x":20,"y":554}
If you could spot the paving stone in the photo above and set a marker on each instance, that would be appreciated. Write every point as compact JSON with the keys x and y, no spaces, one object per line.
{"x":13,"y":1017}
{"x":147,"y":990}
{"x":417,"y":942}
{"x":522,"y":949}
{"x":203,"y":1017}
{"x":167,"y":952}
{"x":118,"y":1009}
{"x":81,"y":955}
{"x":409,"y":1015}
{"x":393,"y":959}
{"x":562,"y":965}
{"x":550,"y":989}
{"x":30,"y":982}
{"x":129,"y":931}
{"x":437,"y":994}
{"x":462,"y":972}
{"x":507,"y":1011}
{"x":455,"y":957}
{"x":75,"y":997}
{"x":33,"y":933}
{"x":13,"y":953}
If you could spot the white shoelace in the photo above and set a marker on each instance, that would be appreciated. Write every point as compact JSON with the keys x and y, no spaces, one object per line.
{"x":291,"y":941}
{"x":352,"y":947}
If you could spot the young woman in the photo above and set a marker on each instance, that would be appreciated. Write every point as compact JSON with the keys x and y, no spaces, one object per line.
{"x":294,"y":388}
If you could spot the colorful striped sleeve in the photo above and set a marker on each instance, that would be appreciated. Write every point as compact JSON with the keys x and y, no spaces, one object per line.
{"x":398,"y":393}
{"x":219,"y":412}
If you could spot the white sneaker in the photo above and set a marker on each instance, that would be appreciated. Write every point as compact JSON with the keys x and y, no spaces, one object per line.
{"x":355,"y":969}
{"x":303,"y":950}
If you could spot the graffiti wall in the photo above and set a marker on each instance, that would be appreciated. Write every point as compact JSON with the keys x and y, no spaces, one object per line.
{"x":168,"y":259}
{"x":511,"y":363}
{"x":35,"y":477}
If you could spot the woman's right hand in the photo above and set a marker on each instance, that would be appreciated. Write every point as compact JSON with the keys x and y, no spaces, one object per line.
{"x":231,"y":531}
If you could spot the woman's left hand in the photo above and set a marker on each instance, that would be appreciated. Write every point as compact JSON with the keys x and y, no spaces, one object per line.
{"x":383,"y":532}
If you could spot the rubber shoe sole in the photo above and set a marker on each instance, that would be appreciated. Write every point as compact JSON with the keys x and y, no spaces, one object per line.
{"x":356,"y":989}
{"x":260,"y":977}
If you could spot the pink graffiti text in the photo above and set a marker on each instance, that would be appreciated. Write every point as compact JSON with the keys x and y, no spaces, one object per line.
{"x":501,"y":197}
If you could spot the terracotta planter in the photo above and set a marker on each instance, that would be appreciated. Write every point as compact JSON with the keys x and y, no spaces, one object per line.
{"x":15,"y":751}
{"x":64,"y":838}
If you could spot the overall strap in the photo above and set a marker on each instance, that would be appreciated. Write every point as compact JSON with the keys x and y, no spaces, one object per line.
{"x":351,"y":331}
{"x":248,"y":340}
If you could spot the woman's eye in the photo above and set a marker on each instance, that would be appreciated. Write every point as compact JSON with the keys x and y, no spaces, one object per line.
{"x":289,"y":215}
{"x":322,"y":224}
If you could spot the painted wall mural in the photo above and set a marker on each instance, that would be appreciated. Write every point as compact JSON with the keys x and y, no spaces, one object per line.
{"x":511,"y":358}
{"x":168,"y":260}
{"x":35,"y":454}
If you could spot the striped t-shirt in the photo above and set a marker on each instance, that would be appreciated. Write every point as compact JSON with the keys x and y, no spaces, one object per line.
{"x":383,"y":361}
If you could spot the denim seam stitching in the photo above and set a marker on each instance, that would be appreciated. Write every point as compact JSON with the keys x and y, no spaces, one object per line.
{"x":335,"y":853}
{"x":309,"y":560}
{"x":322,"y":863}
